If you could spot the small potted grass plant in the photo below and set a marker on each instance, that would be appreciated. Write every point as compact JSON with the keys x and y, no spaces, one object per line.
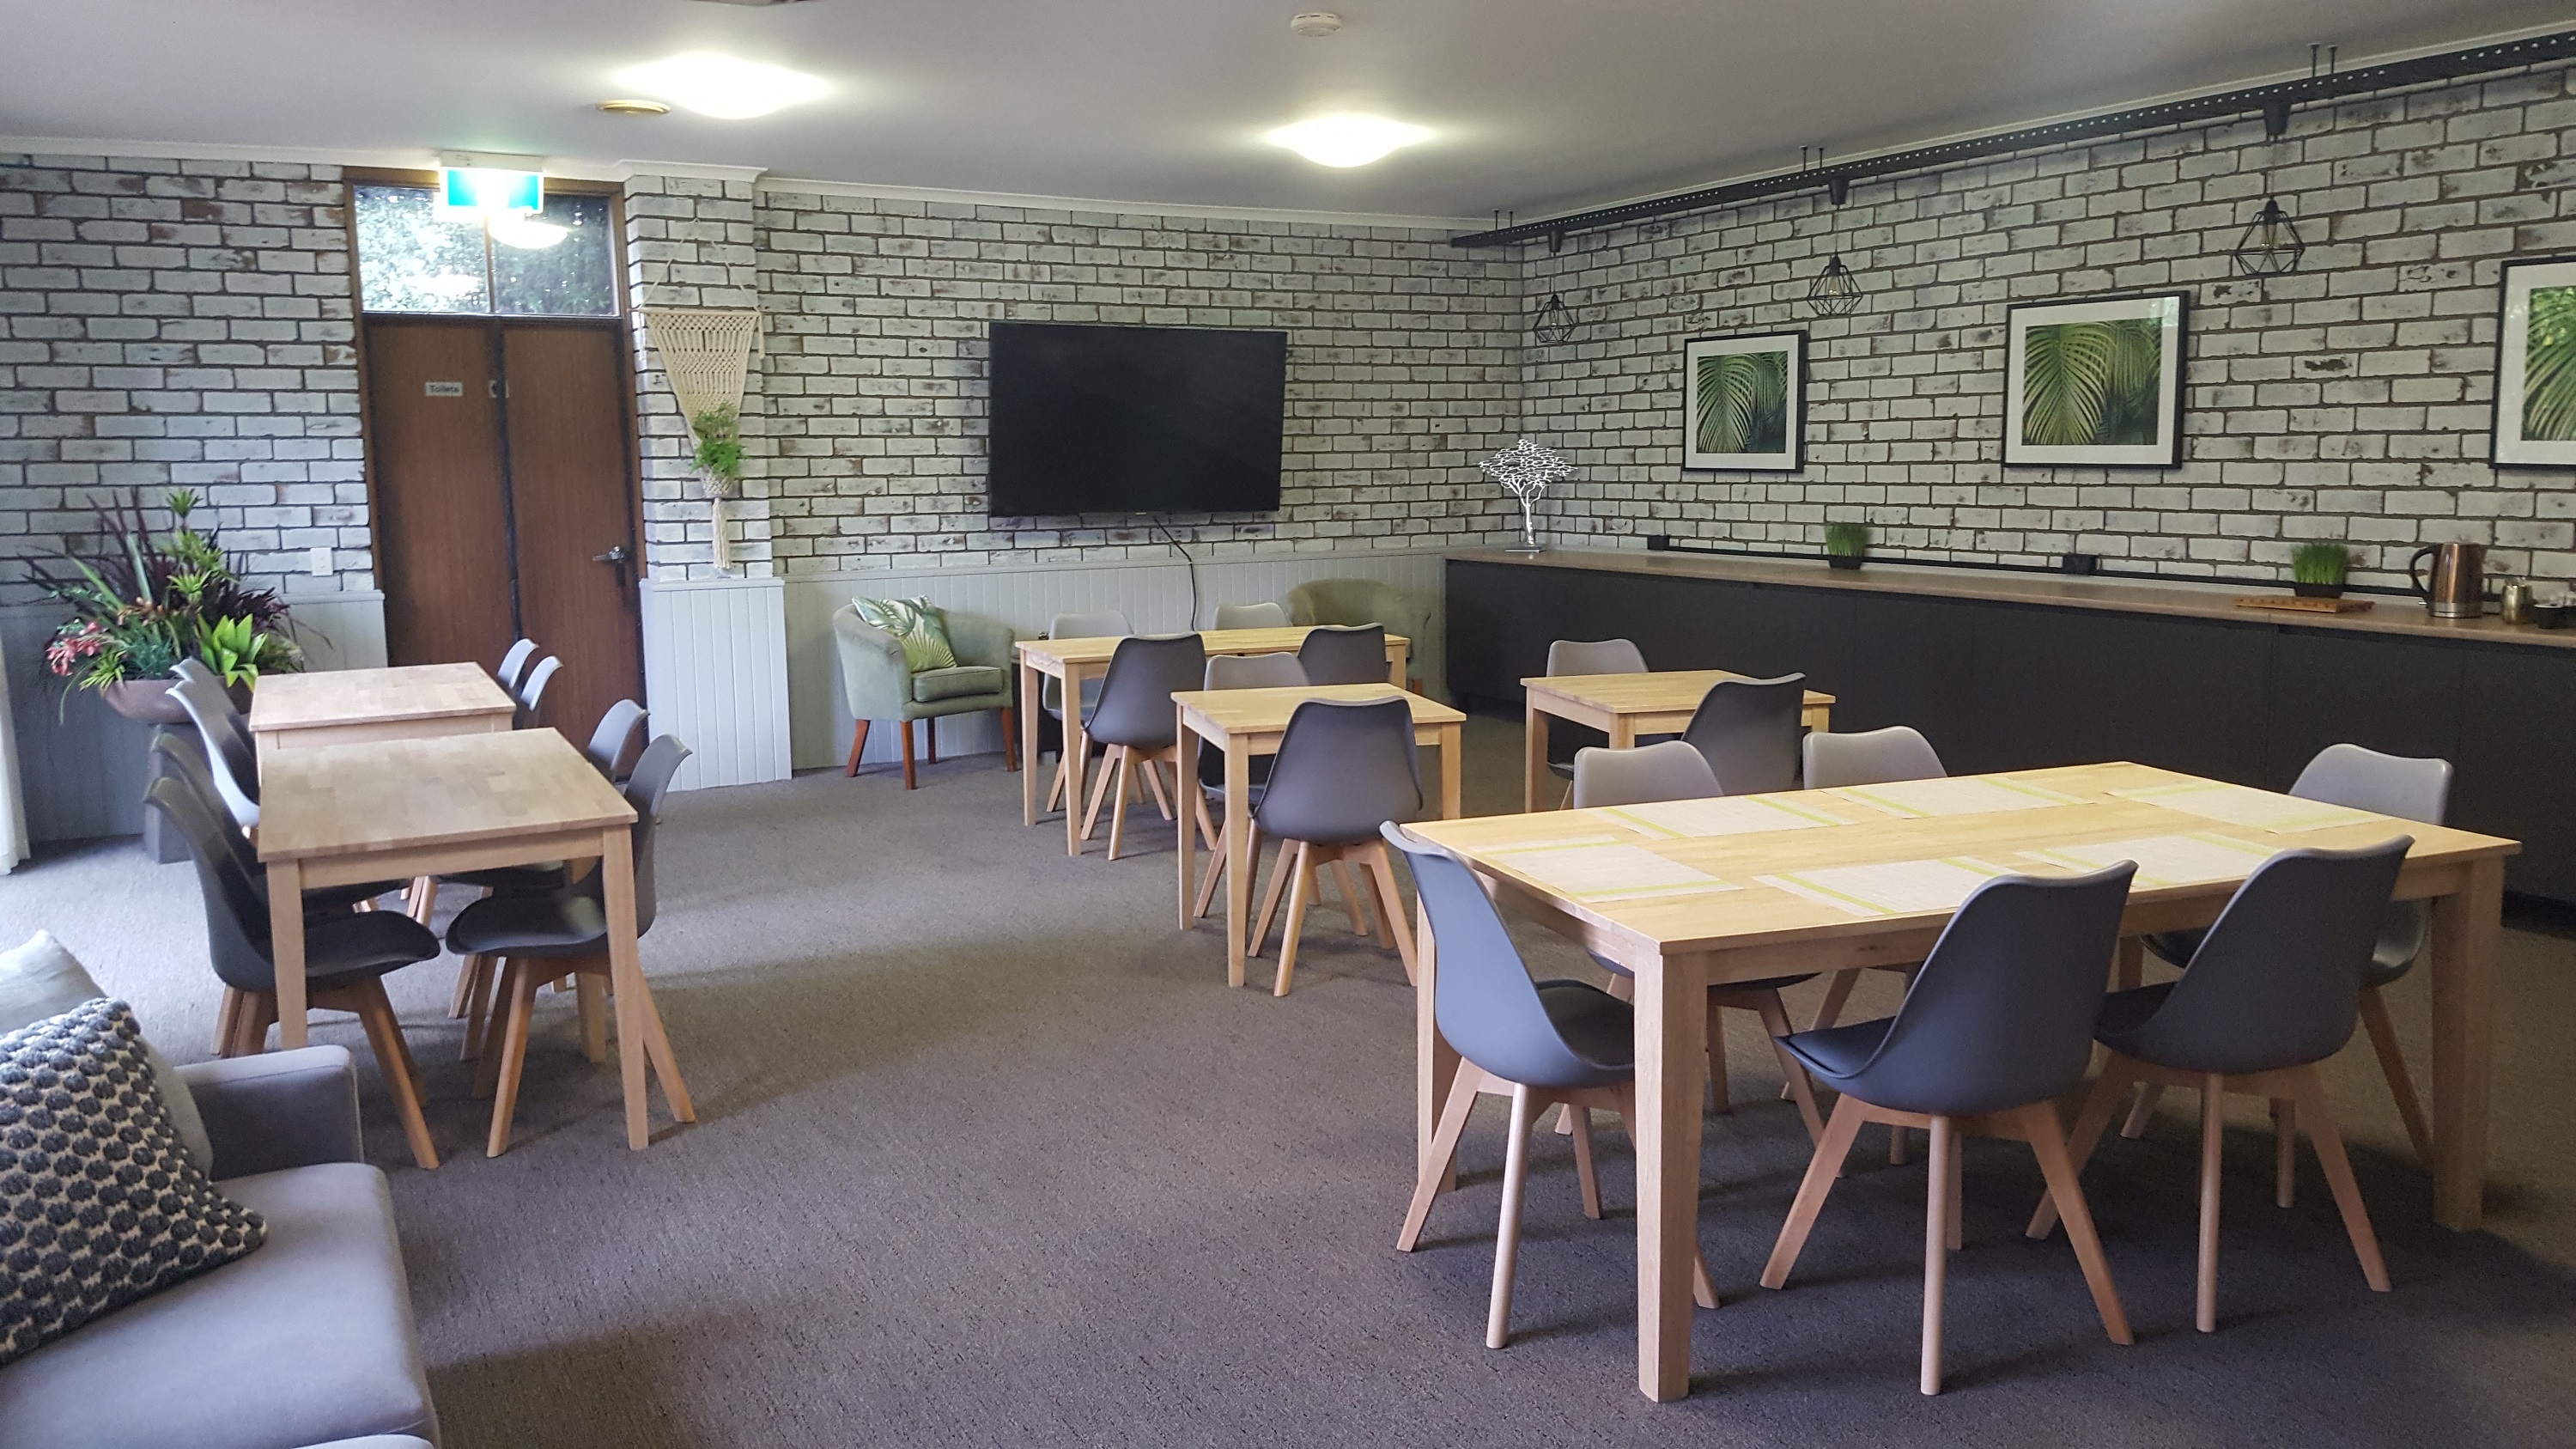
{"x":1846,"y":544}
{"x":2318,"y":568}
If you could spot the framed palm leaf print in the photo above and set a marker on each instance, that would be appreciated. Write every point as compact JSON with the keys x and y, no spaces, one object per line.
{"x":1746,"y":402}
{"x":2095,"y":384}
{"x":2535,"y":408}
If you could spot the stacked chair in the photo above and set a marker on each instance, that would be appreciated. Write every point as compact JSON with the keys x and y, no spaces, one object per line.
{"x":1580,"y":656}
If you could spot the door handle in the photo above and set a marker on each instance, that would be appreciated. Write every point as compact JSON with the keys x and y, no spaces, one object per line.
{"x":615,"y":555}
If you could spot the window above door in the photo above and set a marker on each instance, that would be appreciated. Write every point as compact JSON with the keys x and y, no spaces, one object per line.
{"x":418,"y":257}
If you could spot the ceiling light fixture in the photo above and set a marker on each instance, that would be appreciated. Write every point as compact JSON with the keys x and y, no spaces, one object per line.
{"x":1314,"y":24}
{"x":525,"y":233}
{"x":1346,"y":140}
{"x":724,"y":87}
{"x":634,"y":108}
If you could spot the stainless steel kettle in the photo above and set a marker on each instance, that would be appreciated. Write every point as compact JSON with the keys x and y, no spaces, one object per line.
{"x":2458,"y":587}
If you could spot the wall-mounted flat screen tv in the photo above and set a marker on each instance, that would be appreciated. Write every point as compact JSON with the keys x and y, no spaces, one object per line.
{"x":1090,"y":419}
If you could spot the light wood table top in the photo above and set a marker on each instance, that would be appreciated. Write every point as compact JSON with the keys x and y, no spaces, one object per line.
{"x":1236,"y":713}
{"x":1678,"y":944}
{"x":394,"y":795}
{"x":1624,"y":706}
{"x":359,"y":696}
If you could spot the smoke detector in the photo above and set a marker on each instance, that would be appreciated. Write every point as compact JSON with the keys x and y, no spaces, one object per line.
{"x":751,"y":2}
{"x":643,"y":108}
{"x":1314,"y":24}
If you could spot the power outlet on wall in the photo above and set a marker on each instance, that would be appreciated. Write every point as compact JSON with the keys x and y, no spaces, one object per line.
{"x":318,"y":559}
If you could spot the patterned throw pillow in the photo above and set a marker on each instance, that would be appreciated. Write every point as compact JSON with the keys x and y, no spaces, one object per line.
{"x":916,"y":622}
{"x":99,"y":1204}
{"x":43,"y":978}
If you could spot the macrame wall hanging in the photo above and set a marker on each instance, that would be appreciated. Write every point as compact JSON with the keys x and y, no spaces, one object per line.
{"x":706,"y":353}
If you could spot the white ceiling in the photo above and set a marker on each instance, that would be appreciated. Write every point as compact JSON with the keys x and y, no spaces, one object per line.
{"x":1537,"y":104}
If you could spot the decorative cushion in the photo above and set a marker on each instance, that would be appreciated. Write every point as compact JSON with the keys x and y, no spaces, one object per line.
{"x":42,"y":979}
{"x":917,"y":624}
{"x":99,"y":1204}
{"x":958,"y":681}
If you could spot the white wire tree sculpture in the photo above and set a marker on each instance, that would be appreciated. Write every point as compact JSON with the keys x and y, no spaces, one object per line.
{"x":1524,"y":470}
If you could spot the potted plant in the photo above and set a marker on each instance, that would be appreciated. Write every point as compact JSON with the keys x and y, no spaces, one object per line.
{"x":1846,"y":544}
{"x":2318,"y":568}
{"x":718,"y":458}
{"x":142,"y":603}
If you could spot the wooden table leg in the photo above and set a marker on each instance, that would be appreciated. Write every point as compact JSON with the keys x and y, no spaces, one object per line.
{"x":1453,"y":766}
{"x":1672,"y":1042}
{"x":1031,"y":706}
{"x":286,"y":949}
{"x":1622,"y":732}
{"x":1533,"y":758}
{"x":1238,"y":855}
{"x":1395,"y":665}
{"x":625,"y":974}
{"x":1185,"y":754}
{"x":1077,"y":753}
{"x":2129,"y":963}
{"x":1435,"y":1062}
{"x":2465,"y":927}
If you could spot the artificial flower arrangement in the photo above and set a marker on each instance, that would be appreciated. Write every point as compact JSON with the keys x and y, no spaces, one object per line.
{"x":142,"y":603}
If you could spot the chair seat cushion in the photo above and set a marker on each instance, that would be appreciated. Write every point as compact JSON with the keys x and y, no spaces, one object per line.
{"x":929,"y":686}
{"x":364,"y":943}
{"x":1836,"y":1053}
{"x":305,"y":1341}
{"x":1599,"y":1027}
{"x":341,"y":898}
{"x":564,"y":923}
{"x":552,"y":875}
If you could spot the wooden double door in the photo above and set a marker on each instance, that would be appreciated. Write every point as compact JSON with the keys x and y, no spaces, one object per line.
{"x":505,"y":501}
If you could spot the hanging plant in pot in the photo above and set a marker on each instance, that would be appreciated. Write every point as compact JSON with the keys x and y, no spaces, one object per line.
{"x":2318,"y":569}
{"x":1846,"y":544}
{"x":142,"y":602}
{"x":718,"y":459}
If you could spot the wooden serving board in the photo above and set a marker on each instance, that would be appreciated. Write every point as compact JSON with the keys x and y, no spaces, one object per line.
{"x":2296,"y":604}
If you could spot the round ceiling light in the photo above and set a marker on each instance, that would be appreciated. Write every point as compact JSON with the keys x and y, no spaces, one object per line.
{"x":634,"y":108}
{"x":1314,"y":24}
{"x":1346,"y":140}
{"x":724,"y":87}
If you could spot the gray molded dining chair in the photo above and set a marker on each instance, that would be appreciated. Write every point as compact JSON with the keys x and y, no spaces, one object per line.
{"x":1998,"y":1024}
{"x":198,"y":670}
{"x":617,"y":741}
{"x":1239,"y":671}
{"x":532,"y":692}
{"x":1342,"y":771}
{"x":228,"y":746}
{"x":514,"y":665}
{"x":1251,"y":616}
{"x":1871,"y":757}
{"x":1538,"y":1043}
{"x":1748,"y":731}
{"x":2274,"y":989}
{"x":188,"y":765}
{"x":1134,"y":721}
{"x":1344,"y":654}
{"x":1092,"y":624}
{"x":346,"y":957}
{"x":536,"y":938}
{"x":1582,"y":656}
{"x":2409,"y":789}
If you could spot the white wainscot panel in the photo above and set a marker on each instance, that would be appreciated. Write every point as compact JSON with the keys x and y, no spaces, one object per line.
{"x":715,"y":674}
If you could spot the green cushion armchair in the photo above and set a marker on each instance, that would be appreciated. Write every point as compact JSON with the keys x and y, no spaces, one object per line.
{"x":1363,"y":601}
{"x":879,"y":686}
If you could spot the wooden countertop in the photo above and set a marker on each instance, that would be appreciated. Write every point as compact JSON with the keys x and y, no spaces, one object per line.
{"x":2398,"y":616}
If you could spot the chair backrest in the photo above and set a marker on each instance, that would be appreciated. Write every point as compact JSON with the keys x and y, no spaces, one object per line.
{"x":514,"y":665}
{"x":1872,"y":757}
{"x":2399,"y":785}
{"x":644,"y":790}
{"x":1135,"y":706}
{"x":1342,"y":770}
{"x":236,"y":911}
{"x":1251,"y":616}
{"x":236,"y":769}
{"x":1344,"y":654}
{"x":1599,"y":656}
{"x":619,"y":740}
{"x":1254,"y":671}
{"x":187,"y":763}
{"x":1097,"y":624}
{"x":1747,"y":730}
{"x":532,"y":692}
{"x":1482,"y":996}
{"x":199,"y":670}
{"x":1668,"y":771}
{"x":2277,"y":981}
{"x":2002,"y":1013}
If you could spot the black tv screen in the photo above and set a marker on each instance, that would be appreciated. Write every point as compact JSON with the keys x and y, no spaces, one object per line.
{"x":1135,"y":419}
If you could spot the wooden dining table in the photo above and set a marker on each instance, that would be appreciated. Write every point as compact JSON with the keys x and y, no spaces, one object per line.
{"x":1071,"y":661}
{"x":340,"y":814}
{"x":351,"y":706}
{"x":1624,"y":706}
{"x":1249,"y":722}
{"x":1688,"y":893}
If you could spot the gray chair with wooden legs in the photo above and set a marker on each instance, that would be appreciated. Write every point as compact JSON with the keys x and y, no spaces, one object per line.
{"x":878,"y":682}
{"x":1871,"y":757}
{"x":1239,"y":671}
{"x":1538,"y":1043}
{"x":188,"y":764}
{"x":1250,"y":616}
{"x":531,"y":693}
{"x":1134,"y":721}
{"x":346,"y":956}
{"x":1342,"y":772}
{"x":1998,"y":1024}
{"x":534,"y":939}
{"x":1675,"y":771}
{"x":228,"y":746}
{"x":2410,"y":789}
{"x":1344,"y":654}
{"x":2274,"y":989}
{"x":1747,"y":730}
{"x":514,"y":665}
{"x":1581,"y":656}
{"x":1094,"y":624}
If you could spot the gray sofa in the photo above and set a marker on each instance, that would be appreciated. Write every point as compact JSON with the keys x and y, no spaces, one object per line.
{"x":306,"y":1341}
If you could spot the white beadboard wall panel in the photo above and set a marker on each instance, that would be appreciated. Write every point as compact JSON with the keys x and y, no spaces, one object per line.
{"x":715,"y":674}
{"x":1155,"y":597}
{"x":345,"y":630}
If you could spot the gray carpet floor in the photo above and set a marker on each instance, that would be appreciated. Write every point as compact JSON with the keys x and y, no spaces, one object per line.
{"x":988,"y":1154}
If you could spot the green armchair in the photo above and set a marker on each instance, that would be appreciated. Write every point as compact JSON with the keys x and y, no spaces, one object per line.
{"x":1363,"y":601}
{"x":878,"y":686}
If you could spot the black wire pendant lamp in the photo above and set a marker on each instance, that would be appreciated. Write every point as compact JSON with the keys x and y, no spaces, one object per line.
{"x":1835,"y":292}
{"x":2271,"y":245}
{"x":1555,"y":322}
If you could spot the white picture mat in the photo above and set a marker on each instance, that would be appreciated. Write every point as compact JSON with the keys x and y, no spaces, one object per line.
{"x":1719,"y":815}
{"x":1789,"y":461}
{"x":1957,"y":795}
{"x":2242,"y":805}
{"x":1894,"y":888}
{"x":2513,"y":362}
{"x":1596,"y":869}
{"x":2164,"y":860}
{"x":2159,"y":454}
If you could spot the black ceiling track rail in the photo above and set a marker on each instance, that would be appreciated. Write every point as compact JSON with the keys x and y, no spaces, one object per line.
{"x":2273,"y":102}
